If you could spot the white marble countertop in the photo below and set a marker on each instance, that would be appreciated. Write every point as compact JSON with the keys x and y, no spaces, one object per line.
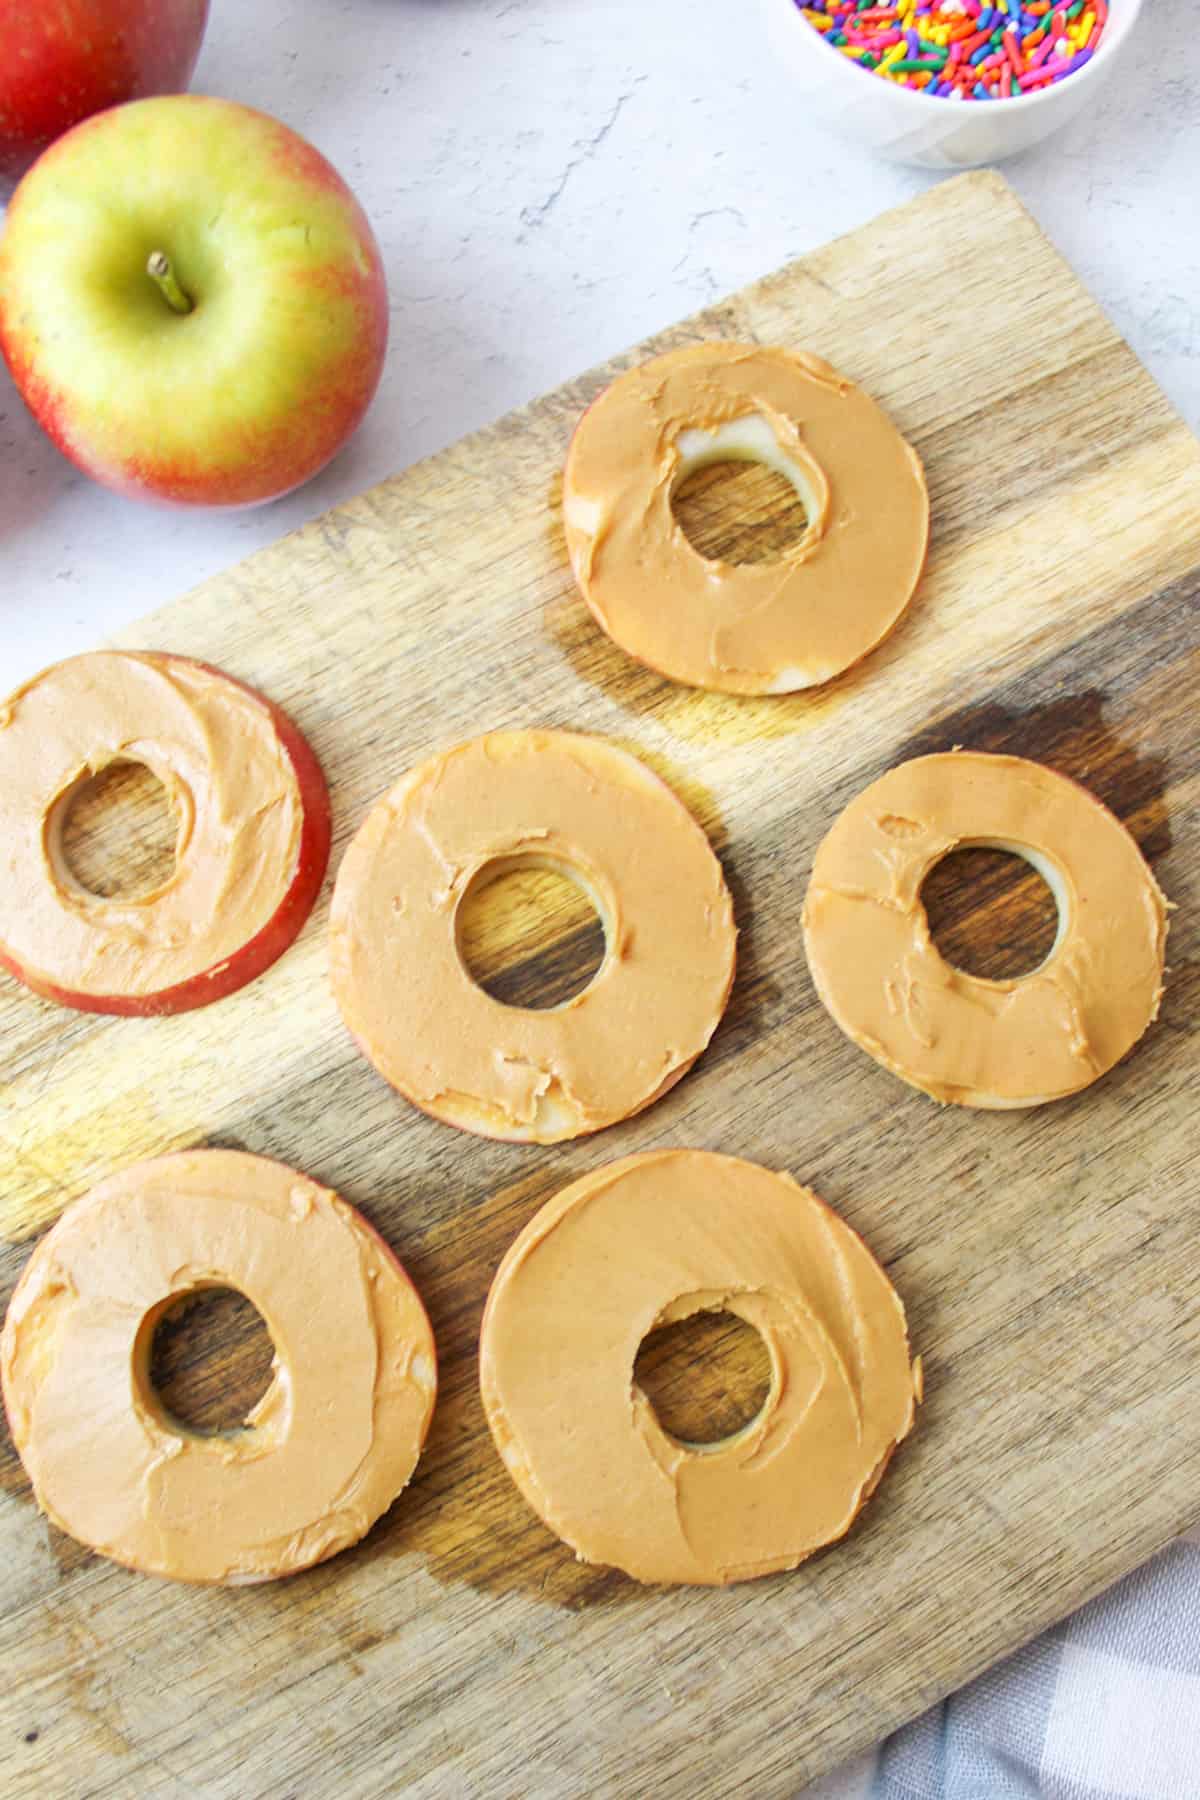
{"x":551,"y":180}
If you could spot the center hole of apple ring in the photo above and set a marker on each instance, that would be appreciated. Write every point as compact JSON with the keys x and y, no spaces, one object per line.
{"x":208,"y":1360}
{"x":707,"y":1376}
{"x":530,"y":932}
{"x":738,"y":497}
{"x":114,"y":834}
{"x":997,"y":911}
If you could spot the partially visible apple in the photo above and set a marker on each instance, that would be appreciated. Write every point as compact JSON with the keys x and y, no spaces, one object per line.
{"x":62,"y":60}
{"x":192,"y":303}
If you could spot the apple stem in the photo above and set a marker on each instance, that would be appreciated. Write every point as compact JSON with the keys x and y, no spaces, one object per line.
{"x":163,"y":275}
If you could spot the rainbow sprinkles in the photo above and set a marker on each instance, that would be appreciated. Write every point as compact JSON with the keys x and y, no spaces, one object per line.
{"x":963,"y":49}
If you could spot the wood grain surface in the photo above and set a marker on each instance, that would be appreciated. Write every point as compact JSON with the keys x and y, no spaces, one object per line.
{"x":1048,"y":1259}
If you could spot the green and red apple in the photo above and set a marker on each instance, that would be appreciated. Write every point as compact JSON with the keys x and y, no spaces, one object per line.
{"x":62,"y":60}
{"x":192,"y":302}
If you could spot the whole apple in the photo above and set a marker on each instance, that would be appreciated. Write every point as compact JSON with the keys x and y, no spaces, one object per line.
{"x":62,"y":60}
{"x":192,"y":303}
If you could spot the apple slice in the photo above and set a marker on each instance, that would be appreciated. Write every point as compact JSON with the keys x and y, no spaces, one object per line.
{"x":192,"y":303}
{"x":252,"y":843}
{"x":338,"y":1433}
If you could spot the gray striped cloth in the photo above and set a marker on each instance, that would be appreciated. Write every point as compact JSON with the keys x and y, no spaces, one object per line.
{"x":1104,"y":1707}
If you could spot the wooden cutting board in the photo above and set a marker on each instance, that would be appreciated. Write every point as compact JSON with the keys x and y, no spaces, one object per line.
{"x":1049,"y":1259}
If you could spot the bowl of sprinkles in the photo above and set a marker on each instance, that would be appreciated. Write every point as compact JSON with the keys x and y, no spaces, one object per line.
{"x":952,"y":83}
{"x":963,"y":49}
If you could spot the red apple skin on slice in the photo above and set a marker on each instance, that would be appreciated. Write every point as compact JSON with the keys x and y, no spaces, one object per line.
{"x":66,"y":59}
{"x":281,"y":929}
{"x":249,"y":387}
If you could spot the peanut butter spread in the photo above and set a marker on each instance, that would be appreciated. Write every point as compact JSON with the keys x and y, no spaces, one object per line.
{"x":217,"y":749}
{"x":976,"y":1042}
{"x":333,"y":1440}
{"x":601,"y":817}
{"x":651,"y":1239}
{"x":766,"y":628}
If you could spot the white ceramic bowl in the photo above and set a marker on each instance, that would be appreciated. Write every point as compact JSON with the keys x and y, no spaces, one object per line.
{"x":936,"y":133}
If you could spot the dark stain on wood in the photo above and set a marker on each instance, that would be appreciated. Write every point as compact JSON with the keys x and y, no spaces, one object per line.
{"x":1069,"y":733}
